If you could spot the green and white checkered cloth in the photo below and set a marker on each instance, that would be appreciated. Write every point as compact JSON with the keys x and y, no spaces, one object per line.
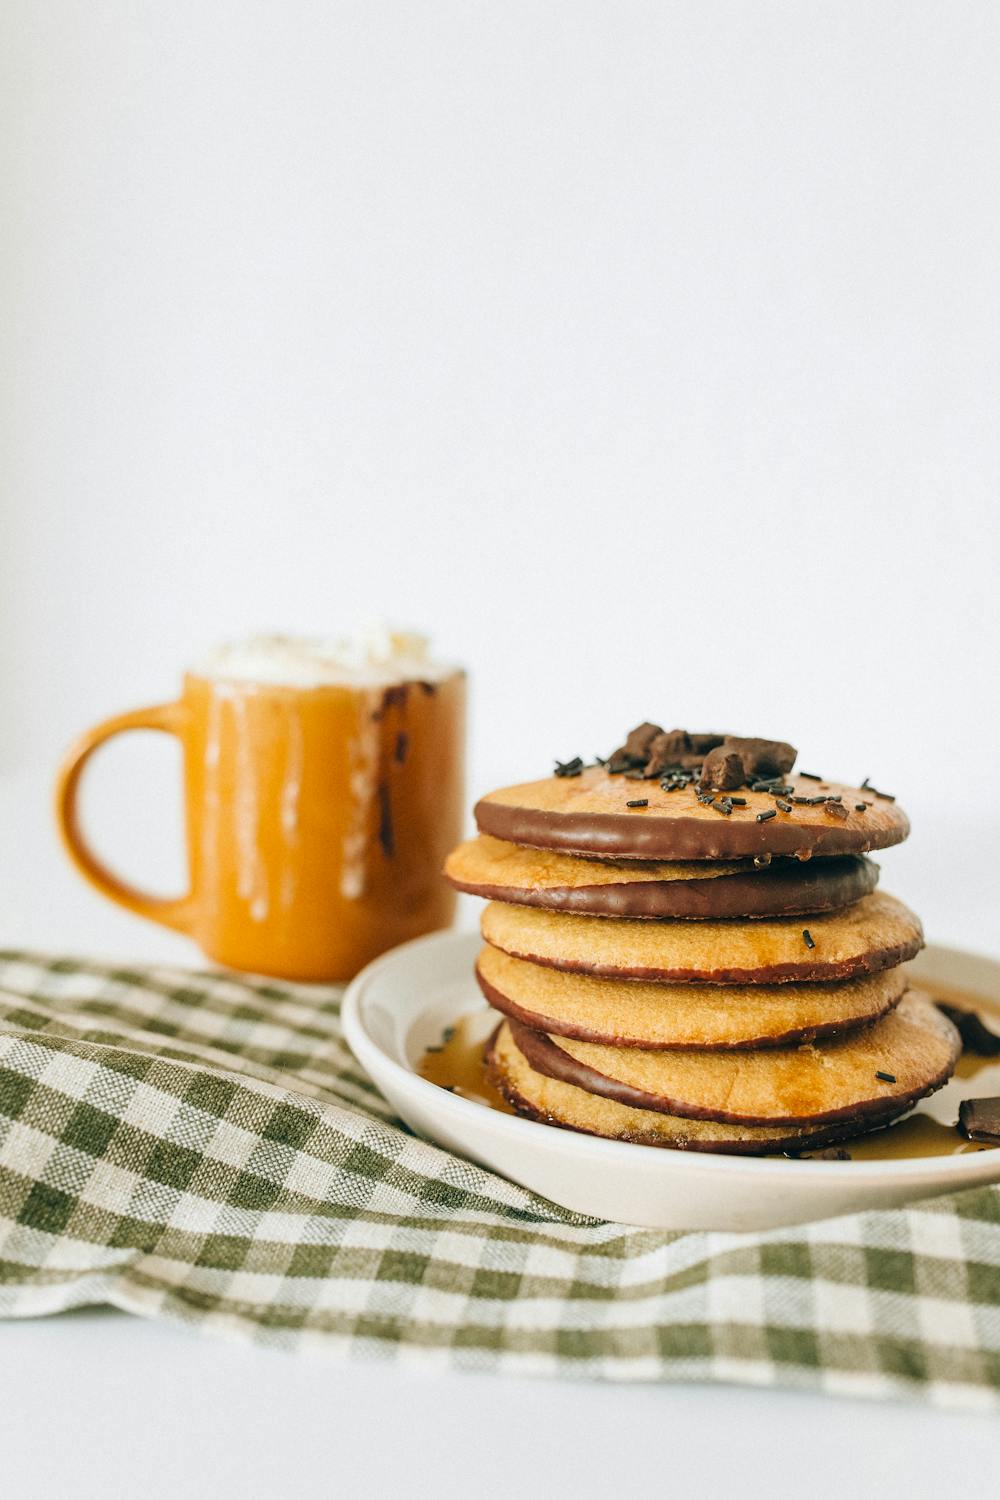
{"x":203,"y":1147}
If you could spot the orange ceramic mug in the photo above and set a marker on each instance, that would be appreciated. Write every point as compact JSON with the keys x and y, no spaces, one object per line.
{"x":321,"y":799}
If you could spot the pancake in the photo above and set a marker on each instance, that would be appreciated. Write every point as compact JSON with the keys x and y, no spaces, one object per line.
{"x":587,"y":815}
{"x":889,"y":1065}
{"x":618,"y":888}
{"x":875,"y":933}
{"x":552,"y":1102}
{"x":636,"y":1013}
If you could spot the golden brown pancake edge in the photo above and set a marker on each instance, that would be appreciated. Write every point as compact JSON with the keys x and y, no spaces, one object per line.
{"x":874,"y":933}
{"x":862,"y":1001}
{"x":648,"y":1128}
{"x":783,"y":888}
{"x":916,"y":1024}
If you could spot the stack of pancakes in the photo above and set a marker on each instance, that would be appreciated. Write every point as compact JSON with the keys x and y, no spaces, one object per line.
{"x":688,"y":949}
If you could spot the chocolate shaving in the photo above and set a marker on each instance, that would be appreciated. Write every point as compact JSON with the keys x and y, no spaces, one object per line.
{"x":979,"y":1120}
{"x":977,"y":1037}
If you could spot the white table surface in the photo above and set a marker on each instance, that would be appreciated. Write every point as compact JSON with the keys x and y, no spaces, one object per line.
{"x":100,"y":1404}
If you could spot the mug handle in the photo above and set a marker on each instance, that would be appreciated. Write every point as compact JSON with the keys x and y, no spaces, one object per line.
{"x":176,"y":912}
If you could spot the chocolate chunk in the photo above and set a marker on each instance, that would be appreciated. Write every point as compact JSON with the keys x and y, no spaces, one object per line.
{"x":635,"y":751}
{"x":725,"y":761}
{"x":701,"y":744}
{"x":979,"y":1120}
{"x":762,"y":757}
{"x":723,"y":769}
{"x":835,"y":810}
{"x":977,"y":1037}
{"x":665,"y":751}
{"x":638,"y":741}
{"x":738,"y":760}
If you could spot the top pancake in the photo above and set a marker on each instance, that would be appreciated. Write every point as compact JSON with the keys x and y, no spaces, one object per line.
{"x":587,"y":815}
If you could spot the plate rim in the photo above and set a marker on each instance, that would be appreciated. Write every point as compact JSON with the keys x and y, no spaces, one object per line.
{"x":606,"y":1151}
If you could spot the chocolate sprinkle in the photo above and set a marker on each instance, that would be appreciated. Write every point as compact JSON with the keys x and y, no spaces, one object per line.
{"x":638,"y":802}
{"x":785,"y":806}
{"x":885,"y":1077}
{"x":572,"y":767}
{"x":810,"y":776}
{"x":808,"y":938}
{"x":772,"y":812}
{"x":866,"y":786}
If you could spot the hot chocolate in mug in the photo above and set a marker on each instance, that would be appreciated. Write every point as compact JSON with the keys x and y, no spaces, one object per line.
{"x":323,"y":787}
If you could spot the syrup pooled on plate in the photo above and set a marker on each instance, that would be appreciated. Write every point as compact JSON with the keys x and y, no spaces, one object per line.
{"x":456,"y":1064}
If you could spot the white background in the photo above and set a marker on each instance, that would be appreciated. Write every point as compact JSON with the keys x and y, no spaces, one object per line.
{"x":645,"y":354}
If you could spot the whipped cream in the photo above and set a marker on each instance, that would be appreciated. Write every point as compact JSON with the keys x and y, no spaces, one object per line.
{"x":376,"y":657}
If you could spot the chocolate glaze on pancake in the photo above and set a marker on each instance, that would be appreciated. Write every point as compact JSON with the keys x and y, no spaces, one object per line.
{"x":587,"y":815}
{"x":526,"y":877}
{"x":551,"y":1102}
{"x":910,"y":1053}
{"x":875,"y":933}
{"x":682,"y":1017}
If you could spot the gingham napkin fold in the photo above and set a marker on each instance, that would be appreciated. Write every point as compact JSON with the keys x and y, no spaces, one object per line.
{"x":204,"y":1148}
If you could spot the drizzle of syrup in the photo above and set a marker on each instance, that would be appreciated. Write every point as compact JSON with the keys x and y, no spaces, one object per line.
{"x":457,"y":1064}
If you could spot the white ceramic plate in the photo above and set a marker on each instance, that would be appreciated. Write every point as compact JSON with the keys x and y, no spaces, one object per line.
{"x":400,"y":1004}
